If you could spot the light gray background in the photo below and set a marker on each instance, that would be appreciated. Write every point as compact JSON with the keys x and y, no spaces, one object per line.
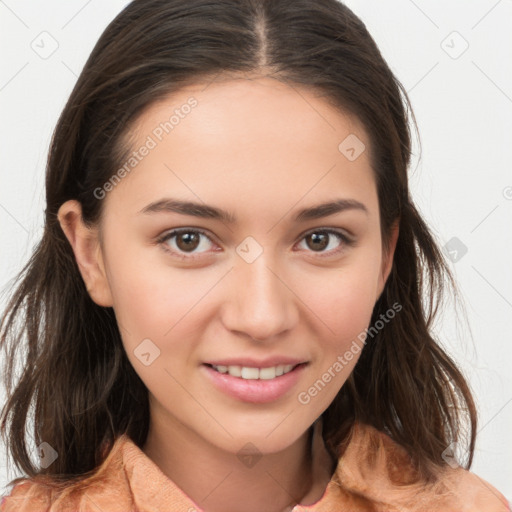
{"x":462,"y":185}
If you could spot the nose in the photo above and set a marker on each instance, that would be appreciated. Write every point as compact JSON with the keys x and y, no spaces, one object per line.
{"x":261,"y":302}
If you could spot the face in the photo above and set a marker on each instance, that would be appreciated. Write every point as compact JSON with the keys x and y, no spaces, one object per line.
{"x":276,"y":283}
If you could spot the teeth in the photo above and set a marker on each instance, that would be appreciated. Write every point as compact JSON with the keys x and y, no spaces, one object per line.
{"x":248,"y":373}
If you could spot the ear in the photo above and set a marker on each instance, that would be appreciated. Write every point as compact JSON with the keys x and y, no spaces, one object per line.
{"x":86,"y":247}
{"x":387,"y":258}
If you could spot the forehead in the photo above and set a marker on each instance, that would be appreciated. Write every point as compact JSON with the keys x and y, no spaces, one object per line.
{"x":236,"y":140}
{"x":278,"y":112}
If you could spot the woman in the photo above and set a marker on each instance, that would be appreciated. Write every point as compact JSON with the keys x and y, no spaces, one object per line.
{"x":188,"y":346}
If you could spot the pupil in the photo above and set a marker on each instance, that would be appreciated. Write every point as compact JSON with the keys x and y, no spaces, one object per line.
{"x":187,"y":240}
{"x":322,"y":238}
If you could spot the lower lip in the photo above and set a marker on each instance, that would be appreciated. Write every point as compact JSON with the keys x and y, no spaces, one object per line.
{"x":257,"y":391}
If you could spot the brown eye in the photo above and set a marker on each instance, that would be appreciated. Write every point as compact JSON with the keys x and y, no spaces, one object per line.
{"x":317,"y":241}
{"x":187,"y":241}
{"x":183,"y":243}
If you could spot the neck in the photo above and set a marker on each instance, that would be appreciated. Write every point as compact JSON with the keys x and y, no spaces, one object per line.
{"x":218,"y":481}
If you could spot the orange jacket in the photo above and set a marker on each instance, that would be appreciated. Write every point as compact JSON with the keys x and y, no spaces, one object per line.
{"x":373,"y":475}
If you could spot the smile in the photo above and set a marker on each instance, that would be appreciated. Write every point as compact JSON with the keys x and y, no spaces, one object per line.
{"x":249,"y":373}
{"x":252,"y":384}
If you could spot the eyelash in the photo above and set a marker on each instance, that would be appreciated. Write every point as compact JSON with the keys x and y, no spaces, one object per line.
{"x":348,"y":242}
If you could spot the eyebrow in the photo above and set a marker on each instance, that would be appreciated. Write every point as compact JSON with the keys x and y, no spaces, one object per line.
{"x":319,"y":211}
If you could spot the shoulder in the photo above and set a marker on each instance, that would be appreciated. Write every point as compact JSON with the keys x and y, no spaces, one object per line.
{"x":473,"y":491}
{"x":28,"y":496}
{"x":100,"y":494}
{"x":377,"y":468}
{"x":108,"y":488}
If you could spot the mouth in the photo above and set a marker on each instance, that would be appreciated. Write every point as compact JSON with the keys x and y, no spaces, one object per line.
{"x":254,"y":373}
{"x":254,"y":384}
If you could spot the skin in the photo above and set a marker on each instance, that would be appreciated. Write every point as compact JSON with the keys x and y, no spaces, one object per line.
{"x":261,"y":150}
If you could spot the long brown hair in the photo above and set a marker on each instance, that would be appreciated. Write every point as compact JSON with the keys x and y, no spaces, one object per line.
{"x":74,"y":371}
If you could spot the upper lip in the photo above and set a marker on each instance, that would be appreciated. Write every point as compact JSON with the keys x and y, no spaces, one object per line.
{"x":256,"y":363}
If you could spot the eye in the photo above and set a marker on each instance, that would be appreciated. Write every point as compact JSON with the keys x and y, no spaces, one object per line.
{"x":186,"y":241}
{"x":319,"y":239}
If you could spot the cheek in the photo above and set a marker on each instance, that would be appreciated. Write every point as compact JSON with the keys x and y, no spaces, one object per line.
{"x":341,"y":303}
{"x":345,"y":310}
{"x":161,"y":312}
{"x":149,"y":297}
{"x":342,"y":300}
